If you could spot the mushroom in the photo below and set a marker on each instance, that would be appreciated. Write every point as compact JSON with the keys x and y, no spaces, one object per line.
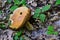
{"x":19,"y":17}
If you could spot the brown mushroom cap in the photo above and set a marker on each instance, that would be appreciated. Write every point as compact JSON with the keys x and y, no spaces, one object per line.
{"x":19,"y":17}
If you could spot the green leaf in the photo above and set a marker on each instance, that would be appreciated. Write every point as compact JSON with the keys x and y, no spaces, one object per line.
{"x":9,"y":1}
{"x":23,"y":2}
{"x":16,"y":2}
{"x":55,"y":33}
{"x":18,"y":33}
{"x":49,"y":32}
{"x":21,"y":38}
{"x":46,"y":8}
{"x":19,"y":2}
{"x":2,"y":26}
{"x":42,"y":17}
{"x":13,"y":8}
{"x":57,"y":2}
{"x":37,"y":13}
{"x":51,"y":28}
{"x":0,"y":12}
{"x":15,"y":38}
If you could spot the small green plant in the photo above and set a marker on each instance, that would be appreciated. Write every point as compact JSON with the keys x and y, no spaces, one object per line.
{"x":18,"y":34}
{"x":16,"y":4}
{"x":15,"y":38}
{"x":50,"y":30}
{"x":19,"y":2}
{"x":42,"y":17}
{"x":13,"y":8}
{"x":56,"y":33}
{"x":46,"y":8}
{"x":39,"y":13}
{"x":2,"y":26}
{"x":57,"y":2}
